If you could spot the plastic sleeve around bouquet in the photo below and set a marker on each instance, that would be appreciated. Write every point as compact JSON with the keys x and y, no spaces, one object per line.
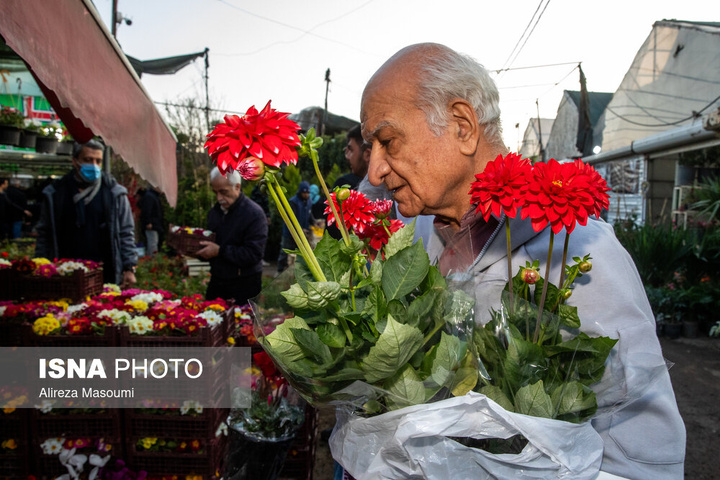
{"x":396,"y":338}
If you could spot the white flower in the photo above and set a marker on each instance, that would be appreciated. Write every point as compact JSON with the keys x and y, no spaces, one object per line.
{"x":118,"y":317}
{"x":5,"y":263}
{"x":111,"y":287}
{"x":212,"y":317}
{"x":2,"y":310}
{"x":175,"y":229}
{"x":52,"y":446}
{"x":76,"y":308}
{"x":189,"y":405}
{"x":73,"y":462}
{"x":140,"y":325}
{"x":97,"y":461}
{"x":148,"y":297}
{"x":222,"y":429}
{"x":67,"y":268}
{"x":45,"y":406}
{"x":207,"y":233}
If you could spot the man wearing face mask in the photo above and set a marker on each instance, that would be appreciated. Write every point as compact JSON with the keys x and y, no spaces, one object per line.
{"x":86,"y":215}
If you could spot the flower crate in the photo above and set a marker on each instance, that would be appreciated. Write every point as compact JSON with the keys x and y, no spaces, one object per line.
{"x":209,"y":464}
{"x":14,"y":462}
{"x":8,"y":284}
{"x":186,"y":243}
{"x":105,"y":423}
{"x":110,"y":338}
{"x":205,"y":337}
{"x":75,"y":287}
{"x":204,"y":425}
{"x":301,"y":456}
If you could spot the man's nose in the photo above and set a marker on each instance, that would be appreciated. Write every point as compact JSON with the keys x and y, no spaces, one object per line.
{"x":378,"y":168}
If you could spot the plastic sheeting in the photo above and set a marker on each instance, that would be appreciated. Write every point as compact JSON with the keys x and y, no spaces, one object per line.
{"x":73,"y":55}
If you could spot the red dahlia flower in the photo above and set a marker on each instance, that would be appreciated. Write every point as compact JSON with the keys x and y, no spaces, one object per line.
{"x":357,"y":211}
{"x":501,"y":186}
{"x":559,"y":194}
{"x":267,"y":135}
{"x":382,"y":208}
{"x":598,"y":187}
{"x":378,"y":235}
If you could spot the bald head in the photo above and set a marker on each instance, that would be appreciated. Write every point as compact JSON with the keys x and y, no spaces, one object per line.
{"x":435,"y":75}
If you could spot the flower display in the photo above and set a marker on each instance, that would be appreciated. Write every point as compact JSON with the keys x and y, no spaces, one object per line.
{"x":267,"y":135}
{"x":155,"y":444}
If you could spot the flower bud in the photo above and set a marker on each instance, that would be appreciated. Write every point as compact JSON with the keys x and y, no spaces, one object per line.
{"x":343,"y":194}
{"x":251,"y":169}
{"x":565,"y":293}
{"x":585,"y":267}
{"x":530,"y":276}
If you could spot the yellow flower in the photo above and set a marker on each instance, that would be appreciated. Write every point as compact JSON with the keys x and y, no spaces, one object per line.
{"x":9,"y":444}
{"x":45,"y":325}
{"x":137,"y":305}
{"x":8,"y":409}
{"x":41,"y":261}
{"x":216,"y":307}
{"x":231,"y":341}
{"x":148,"y":442}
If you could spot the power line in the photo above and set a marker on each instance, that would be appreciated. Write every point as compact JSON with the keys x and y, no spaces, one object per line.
{"x":521,"y":36}
{"x":517,"y":53}
{"x":666,"y":124}
{"x":534,"y":66}
{"x":293,"y":27}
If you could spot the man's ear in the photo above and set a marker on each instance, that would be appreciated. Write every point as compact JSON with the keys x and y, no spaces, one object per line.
{"x":467,"y":127}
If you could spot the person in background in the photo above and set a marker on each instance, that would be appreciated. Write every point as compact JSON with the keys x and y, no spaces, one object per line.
{"x":357,"y":153}
{"x":151,"y":219}
{"x":301,"y":206}
{"x":86,"y":215}
{"x":17,"y":208}
{"x":241,"y":232}
{"x":433,"y":118}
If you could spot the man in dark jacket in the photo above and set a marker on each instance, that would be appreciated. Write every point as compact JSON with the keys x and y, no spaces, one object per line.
{"x":241,"y":232}
{"x":151,"y":219}
{"x":86,"y":215}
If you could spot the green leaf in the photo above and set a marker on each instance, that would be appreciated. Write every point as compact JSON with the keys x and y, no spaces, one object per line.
{"x":295,"y":296}
{"x":450,"y":351}
{"x":404,"y":271}
{"x":333,"y":263}
{"x":375,"y":306}
{"x":533,"y":400}
{"x":466,"y":377}
{"x":420,"y":311}
{"x":568,"y":316}
{"x":574,"y":402}
{"x":331,"y":335}
{"x":495,"y":393}
{"x":401,"y":239}
{"x":376,"y":270}
{"x":319,"y":294}
{"x":282,"y":342}
{"x":525,"y":362}
{"x":406,"y":387}
{"x":311,"y":344}
{"x":393,"y":349}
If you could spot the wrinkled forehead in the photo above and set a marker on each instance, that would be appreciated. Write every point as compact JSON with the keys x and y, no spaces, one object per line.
{"x":386,"y":99}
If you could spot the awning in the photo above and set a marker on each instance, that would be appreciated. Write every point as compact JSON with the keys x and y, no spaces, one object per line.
{"x":90,"y":83}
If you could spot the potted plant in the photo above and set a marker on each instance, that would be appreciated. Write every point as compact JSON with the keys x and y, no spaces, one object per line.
{"x":11,"y":121}
{"x":47,"y":140}
{"x":65,"y":146}
{"x":29,"y":133}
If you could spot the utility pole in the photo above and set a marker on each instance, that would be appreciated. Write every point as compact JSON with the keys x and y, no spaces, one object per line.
{"x":327,"y":89}
{"x":113,"y":20}
{"x":207,"y":93}
{"x":542,"y":149}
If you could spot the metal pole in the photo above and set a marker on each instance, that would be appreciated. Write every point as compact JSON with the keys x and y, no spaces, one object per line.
{"x":327,"y":89}
{"x":542,"y":150}
{"x":113,"y":20}
{"x":207,"y":92}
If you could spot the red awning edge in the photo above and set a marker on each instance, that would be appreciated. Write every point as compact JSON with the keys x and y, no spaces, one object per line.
{"x":71,"y":53}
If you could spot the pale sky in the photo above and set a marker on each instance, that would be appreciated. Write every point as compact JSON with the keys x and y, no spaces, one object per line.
{"x":279,"y":50}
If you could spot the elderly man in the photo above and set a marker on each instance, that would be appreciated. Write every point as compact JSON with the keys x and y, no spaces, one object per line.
{"x":241,"y":232}
{"x":433,"y":119}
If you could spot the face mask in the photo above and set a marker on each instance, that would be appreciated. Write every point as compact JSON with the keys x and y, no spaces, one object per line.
{"x":89,"y":172}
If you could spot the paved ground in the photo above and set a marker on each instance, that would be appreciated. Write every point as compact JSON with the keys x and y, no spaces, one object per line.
{"x":696,"y":381}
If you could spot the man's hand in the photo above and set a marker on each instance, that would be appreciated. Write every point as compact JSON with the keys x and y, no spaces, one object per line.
{"x":27,"y":213}
{"x":128,"y":280}
{"x":209,"y":250}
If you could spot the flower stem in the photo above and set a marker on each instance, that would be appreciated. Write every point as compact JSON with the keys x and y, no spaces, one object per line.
{"x":562,"y":265}
{"x":541,"y":306}
{"x":509,"y":262}
{"x":296,"y":232}
{"x":338,"y":220}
